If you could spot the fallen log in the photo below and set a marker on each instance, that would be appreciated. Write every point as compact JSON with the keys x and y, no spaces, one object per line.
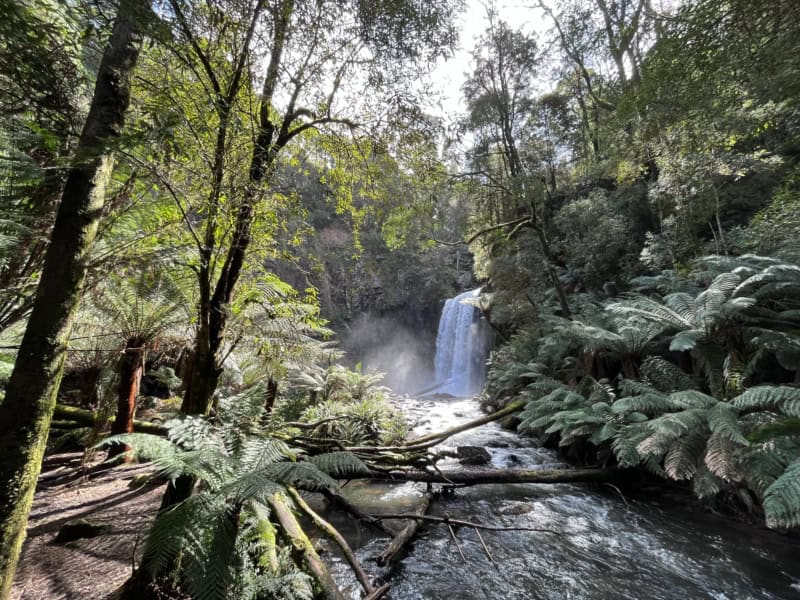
{"x":489,"y":476}
{"x":509,"y":409}
{"x":65,"y":413}
{"x":340,"y":501}
{"x":406,"y":534}
{"x":332,"y":533}
{"x":303,"y":547}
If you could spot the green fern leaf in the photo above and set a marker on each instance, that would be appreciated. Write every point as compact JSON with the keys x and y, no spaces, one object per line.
{"x":682,"y":459}
{"x":339,"y":464}
{"x":723,"y":420}
{"x":782,"y":498}
{"x":768,"y":397}
{"x":721,"y":458}
{"x":705,"y":484}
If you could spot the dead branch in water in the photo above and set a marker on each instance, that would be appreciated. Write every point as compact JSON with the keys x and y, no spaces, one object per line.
{"x":402,"y":539}
{"x":332,"y":533}
{"x":426,"y":441}
{"x":461,"y":523}
{"x":303,"y":548}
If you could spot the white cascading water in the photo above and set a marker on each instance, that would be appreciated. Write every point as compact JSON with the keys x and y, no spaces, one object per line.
{"x":462,"y":345}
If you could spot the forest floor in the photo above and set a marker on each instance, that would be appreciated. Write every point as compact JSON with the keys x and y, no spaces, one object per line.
{"x":87,"y":568}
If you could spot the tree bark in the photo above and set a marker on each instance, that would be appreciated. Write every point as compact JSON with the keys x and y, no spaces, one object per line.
{"x":214,"y":314}
{"x":30,"y":398}
{"x":131,"y":369}
{"x":271,"y":395}
{"x":332,"y":533}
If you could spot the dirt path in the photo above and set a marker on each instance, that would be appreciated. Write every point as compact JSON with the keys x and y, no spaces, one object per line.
{"x":85,"y":569}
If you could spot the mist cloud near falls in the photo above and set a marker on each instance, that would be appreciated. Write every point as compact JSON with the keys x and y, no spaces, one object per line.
{"x":386,"y":345}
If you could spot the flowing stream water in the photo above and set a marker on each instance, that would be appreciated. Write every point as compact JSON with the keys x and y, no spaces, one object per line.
{"x":604,"y":546}
{"x":600,"y":545}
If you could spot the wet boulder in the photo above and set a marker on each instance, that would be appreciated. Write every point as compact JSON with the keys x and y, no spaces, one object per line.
{"x":473,"y":455}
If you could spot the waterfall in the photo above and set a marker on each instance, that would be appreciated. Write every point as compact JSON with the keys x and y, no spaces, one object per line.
{"x":462,"y":345}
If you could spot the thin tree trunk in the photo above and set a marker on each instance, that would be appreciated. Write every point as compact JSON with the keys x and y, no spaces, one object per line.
{"x":130,"y":379}
{"x":214,"y":314}
{"x":271,"y":395}
{"x":30,"y":399}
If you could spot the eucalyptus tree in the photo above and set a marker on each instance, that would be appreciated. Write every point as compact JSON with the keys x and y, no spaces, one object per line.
{"x":501,"y":107}
{"x":30,"y":397}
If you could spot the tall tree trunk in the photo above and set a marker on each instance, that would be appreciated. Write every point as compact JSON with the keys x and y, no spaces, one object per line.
{"x":131,"y":369}
{"x":30,"y":399}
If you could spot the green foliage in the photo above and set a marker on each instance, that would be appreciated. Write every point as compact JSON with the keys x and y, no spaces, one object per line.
{"x":237,"y":467}
{"x":354,"y":410}
{"x":717,"y":432}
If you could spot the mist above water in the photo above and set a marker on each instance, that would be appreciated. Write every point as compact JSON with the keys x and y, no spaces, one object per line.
{"x":385,"y":344}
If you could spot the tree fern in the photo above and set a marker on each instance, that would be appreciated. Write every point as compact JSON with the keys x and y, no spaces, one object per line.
{"x":665,"y":376}
{"x":236,"y":481}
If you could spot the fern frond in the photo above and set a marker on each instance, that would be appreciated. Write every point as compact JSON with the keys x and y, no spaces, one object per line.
{"x":779,"y":428}
{"x":258,"y":452}
{"x":782,"y":498}
{"x":144,"y":446}
{"x":208,"y":573}
{"x":691,"y":399}
{"x":300,"y":474}
{"x":683,"y":341}
{"x":768,"y":397}
{"x":678,"y":424}
{"x":705,"y":484}
{"x":649,"y":404}
{"x":339,"y":464}
{"x":684,"y":455}
{"x":762,"y":467}
{"x":254,"y":485}
{"x":723,"y":420}
{"x":172,"y":530}
{"x":624,"y":446}
{"x":666,"y":376}
{"x":721,"y":458}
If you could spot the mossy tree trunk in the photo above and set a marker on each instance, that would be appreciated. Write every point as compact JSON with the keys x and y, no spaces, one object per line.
{"x":30,"y":398}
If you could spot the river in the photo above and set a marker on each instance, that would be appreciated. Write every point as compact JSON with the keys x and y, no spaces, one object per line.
{"x":604,"y":546}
